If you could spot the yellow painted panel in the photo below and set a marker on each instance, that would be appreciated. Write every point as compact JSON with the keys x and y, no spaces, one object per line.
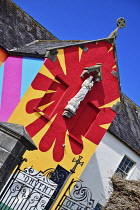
{"x":45,"y":106}
{"x":80,"y":53}
{"x":111,"y":48}
{"x":110,"y":104}
{"x":55,"y":80}
{"x":105,"y":126}
{"x":50,"y":91}
{"x":46,"y":72}
{"x":114,"y":67}
{"x":61,"y":59}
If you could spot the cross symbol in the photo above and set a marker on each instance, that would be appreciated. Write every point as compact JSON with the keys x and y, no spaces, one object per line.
{"x":77,"y":162}
{"x":121,"y":23}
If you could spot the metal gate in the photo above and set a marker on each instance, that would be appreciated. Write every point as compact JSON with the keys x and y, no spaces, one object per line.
{"x":32,"y":190}
{"x":76,"y":197}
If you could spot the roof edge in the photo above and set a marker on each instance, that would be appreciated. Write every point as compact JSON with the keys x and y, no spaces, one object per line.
{"x":12,"y":52}
{"x":124,"y":142}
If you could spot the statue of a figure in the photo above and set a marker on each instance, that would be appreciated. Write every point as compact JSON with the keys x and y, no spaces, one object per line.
{"x":73,"y":104}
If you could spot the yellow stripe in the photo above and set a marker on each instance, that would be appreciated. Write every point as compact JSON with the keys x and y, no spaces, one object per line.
{"x":80,"y":53}
{"x":67,"y":147}
{"x":41,"y":113}
{"x":105,"y":126}
{"x":51,"y":91}
{"x":114,"y":67}
{"x":84,"y":139}
{"x":45,"y":106}
{"x":46,"y":72}
{"x":110,"y":104}
{"x":55,"y":80}
{"x":34,"y":94}
{"x":61,"y":59}
{"x":111,"y":48}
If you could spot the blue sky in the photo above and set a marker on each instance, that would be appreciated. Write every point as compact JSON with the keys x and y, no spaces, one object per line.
{"x":96,"y":19}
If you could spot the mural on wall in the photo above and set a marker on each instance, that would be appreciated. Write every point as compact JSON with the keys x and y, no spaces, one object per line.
{"x":15,"y":82}
{"x":64,"y":105}
{"x":55,"y":84}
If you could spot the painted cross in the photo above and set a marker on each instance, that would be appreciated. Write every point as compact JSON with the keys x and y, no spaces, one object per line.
{"x":77,"y":162}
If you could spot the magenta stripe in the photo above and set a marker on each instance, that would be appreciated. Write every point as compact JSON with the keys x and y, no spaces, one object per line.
{"x":11,"y":87}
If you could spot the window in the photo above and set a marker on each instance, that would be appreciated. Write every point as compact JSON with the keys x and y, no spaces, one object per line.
{"x":98,"y":207}
{"x":125,"y":166}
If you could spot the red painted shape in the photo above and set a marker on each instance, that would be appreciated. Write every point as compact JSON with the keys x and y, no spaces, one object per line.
{"x":45,"y":82}
{"x":88,"y":116}
{"x":84,"y":121}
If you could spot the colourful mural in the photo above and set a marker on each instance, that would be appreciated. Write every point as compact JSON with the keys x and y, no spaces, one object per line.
{"x":34,"y":93}
{"x":15,"y":82}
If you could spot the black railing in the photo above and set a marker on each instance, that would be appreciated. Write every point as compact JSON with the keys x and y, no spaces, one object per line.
{"x":32,"y":190}
{"x":76,"y":197}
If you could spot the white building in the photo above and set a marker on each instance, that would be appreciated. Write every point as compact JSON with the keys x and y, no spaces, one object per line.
{"x":118,"y":151}
{"x":121,"y":144}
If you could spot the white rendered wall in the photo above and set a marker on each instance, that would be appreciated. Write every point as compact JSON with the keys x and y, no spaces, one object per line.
{"x":103,"y":164}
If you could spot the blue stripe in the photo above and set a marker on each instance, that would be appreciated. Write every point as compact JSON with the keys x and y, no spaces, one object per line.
{"x":1,"y":80}
{"x":30,"y":68}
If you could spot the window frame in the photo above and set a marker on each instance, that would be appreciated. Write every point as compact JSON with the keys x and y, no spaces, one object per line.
{"x":98,"y":207}
{"x":125,"y":167}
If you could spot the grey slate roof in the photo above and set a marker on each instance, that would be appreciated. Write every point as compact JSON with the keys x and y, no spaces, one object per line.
{"x":17,"y":28}
{"x":39,"y":47}
{"x":126,"y":125}
{"x":20,"y":132}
